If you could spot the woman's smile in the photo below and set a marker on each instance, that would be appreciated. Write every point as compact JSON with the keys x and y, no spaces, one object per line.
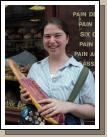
{"x":53,"y":48}
{"x":55,"y":40}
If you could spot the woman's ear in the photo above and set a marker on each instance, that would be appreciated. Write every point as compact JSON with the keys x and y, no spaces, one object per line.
{"x":68,"y":37}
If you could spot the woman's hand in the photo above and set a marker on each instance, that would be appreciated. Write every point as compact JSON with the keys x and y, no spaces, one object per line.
{"x":53,"y":107}
{"x":25,"y":98}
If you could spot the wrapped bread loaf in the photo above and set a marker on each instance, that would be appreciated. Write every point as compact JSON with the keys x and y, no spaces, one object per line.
{"x":35,"y":91}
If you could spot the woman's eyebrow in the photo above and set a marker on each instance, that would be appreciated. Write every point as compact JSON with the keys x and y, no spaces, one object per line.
{"x":58,"y":33}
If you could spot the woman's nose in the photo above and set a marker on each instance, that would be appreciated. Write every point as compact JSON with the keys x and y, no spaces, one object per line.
{"x":52,"y":39}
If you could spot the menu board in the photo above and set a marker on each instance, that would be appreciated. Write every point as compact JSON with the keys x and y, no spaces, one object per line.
{"x":81,"y":22}
{"x":86,"y":35}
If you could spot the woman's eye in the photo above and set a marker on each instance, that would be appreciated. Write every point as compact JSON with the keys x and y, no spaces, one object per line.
{"x":55,"y":36}
{"x":47,"y":36}
{"x":58,"y":36}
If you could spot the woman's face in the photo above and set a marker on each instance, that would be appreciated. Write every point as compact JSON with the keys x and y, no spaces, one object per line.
{"x":54,"y":40}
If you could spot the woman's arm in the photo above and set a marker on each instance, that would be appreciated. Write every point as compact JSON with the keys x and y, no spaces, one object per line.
{"x":24,"y":96}
{"x":53,"y":107}
{"x":84,"y":111}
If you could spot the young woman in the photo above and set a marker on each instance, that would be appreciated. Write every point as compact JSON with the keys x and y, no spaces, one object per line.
{"x":57,"y":75}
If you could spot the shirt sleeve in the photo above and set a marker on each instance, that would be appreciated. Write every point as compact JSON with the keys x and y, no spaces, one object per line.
{"x":87,"y":93}
{"x":32,"y":71}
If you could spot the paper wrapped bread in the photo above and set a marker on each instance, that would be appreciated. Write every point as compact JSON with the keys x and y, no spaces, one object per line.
{"x":36,"y":93}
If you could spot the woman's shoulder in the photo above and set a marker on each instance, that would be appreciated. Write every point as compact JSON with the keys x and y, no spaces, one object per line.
{"x":36,"y":68}
{"x":39,"y":63}
{"x":75,"y":63}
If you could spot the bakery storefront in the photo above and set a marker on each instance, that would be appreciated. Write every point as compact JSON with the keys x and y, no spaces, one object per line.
{"x":23,"y":43}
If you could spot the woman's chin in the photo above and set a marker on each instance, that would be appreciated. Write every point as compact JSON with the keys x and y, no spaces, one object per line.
{"x":54,"y":53}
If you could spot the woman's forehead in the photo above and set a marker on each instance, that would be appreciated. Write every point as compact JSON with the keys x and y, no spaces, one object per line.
{"x":52,"y":28}
{"x":53,"y":25}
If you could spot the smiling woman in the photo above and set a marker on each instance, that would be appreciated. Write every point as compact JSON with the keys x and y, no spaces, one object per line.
{"x":58,"y":72}
{"x":54,"y":40}
{"x":65,"y":71}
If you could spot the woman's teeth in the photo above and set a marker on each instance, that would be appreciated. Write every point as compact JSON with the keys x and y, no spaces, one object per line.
{"x":51,"y":47}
